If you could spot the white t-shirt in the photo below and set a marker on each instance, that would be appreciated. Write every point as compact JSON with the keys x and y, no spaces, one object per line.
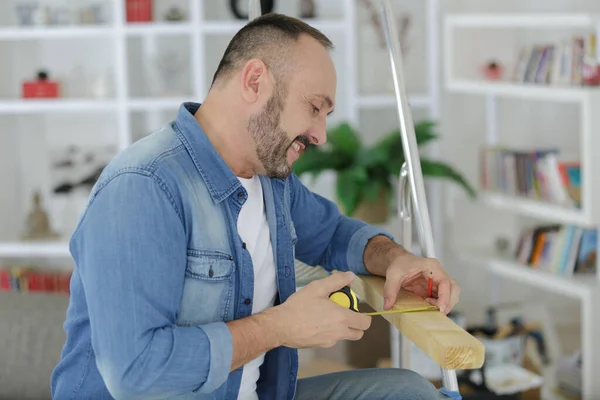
{"x":254,"y":231}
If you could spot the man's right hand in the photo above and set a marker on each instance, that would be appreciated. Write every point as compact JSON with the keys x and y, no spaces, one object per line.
{"x":308,"y":318}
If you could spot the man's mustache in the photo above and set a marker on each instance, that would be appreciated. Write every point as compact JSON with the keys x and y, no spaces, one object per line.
{"x":304,"y":140}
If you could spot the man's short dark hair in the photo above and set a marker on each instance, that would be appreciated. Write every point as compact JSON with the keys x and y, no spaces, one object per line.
{"x":268,"y":38}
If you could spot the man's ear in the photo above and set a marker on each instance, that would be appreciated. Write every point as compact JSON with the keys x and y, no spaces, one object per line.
{"x":254,"y":80}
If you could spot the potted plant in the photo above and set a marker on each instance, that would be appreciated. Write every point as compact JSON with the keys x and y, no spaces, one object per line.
{"x":366,"y":174}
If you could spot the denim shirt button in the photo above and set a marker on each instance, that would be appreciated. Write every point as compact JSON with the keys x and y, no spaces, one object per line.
{"x":240,"y":195}
{"x":247,"y":301}
{"x":287,"y":270}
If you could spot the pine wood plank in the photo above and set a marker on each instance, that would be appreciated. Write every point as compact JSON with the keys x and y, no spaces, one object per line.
{"x":437,"y":335}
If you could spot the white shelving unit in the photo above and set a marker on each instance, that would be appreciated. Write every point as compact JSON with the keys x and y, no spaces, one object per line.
{"x":587,"y":99}
{"x":125,"y":104}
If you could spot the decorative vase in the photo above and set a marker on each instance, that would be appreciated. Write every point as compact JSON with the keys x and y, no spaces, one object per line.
{"x":374,"y":212}
{"x":307,"y":9}
{"x":267,"y":6}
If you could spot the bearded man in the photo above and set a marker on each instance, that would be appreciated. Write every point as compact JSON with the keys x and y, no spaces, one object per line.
{"x":184,"y":282}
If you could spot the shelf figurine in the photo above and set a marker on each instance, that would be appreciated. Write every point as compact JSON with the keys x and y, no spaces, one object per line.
{"x":93,"y":14}
{"x":174,"y":14}
{"x":493,"y":70}
{"x":266,"y":6}
{"x":27,"y":13}
{"x":38,"y":223}
{"x":307,"y":9}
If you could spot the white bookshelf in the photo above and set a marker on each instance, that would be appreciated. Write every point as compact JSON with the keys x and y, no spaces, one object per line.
{"x":126,"y":106}
{"x":587,"y":100}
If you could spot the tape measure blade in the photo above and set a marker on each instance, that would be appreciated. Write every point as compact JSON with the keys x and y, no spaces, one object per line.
{"x":432,"y":308}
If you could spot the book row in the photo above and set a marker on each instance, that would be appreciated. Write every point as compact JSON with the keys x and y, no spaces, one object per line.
{"x":25,"y":279}
{"x":570,"y":62}
{"x":560,"y":249}
{"x":536,"y":174}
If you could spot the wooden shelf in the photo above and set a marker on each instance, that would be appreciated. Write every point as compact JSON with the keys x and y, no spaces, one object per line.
{"x":60,"y":105}
{"x":578,"y":286}
{"x":162,"y":103}
{"x":158,"y":28}
{"x":521,"y":20}
{"x":72,"y":32}
{"x":521,"y":90}
{"x":378,"y":101}
{"x":34,"y":249}
{"x":537,"y":209}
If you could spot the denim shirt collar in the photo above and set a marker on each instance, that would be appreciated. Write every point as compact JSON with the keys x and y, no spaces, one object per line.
{"x":219,"y":178}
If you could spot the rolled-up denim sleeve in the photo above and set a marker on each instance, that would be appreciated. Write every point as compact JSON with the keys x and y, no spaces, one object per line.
{"x":130,"y":250}
{"x":326,"y":237}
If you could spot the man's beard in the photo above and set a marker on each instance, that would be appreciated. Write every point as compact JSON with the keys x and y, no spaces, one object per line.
{"x":271,"y":140}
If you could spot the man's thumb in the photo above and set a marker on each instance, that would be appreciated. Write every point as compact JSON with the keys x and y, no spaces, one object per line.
{"x":335,"y":281}
{"x":390,"y":292}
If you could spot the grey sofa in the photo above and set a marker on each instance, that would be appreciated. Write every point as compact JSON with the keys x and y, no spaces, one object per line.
{"x":31,"y":339}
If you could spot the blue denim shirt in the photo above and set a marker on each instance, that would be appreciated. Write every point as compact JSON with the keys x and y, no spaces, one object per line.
{"x":160,"y":269}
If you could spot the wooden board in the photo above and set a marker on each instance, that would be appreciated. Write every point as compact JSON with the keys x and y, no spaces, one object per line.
{"x":438,"y":336}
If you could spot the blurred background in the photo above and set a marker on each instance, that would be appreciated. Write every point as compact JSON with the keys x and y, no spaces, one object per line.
{"x":504,"y":99}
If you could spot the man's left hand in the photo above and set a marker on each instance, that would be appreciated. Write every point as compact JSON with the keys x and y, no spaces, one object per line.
{"x":411,"y":273}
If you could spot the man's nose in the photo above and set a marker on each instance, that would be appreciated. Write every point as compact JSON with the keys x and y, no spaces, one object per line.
{"x":319,"y":132}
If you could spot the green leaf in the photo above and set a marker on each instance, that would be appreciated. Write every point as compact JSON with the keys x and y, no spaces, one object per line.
{"x":349,"y":186}
{"x":372,"y":156}
{"x":344,"y":139}
{"x":315,"y":160}
{"x":441,"y":170}
{"x":394,"y":165}
{"x":424,"y":132}
{"x":372,"y":189}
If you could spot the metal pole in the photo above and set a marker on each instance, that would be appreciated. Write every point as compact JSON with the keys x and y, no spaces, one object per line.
{"x":399,"y":345}
{"x":411,"y":155}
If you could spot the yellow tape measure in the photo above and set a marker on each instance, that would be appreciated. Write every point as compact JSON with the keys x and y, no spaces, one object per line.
{"x":346,"y":297}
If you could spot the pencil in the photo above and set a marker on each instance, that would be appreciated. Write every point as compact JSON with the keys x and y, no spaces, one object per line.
{"x":430,"y":285}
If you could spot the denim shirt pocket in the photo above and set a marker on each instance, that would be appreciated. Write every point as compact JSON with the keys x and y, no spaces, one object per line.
{"x":208,"y":287}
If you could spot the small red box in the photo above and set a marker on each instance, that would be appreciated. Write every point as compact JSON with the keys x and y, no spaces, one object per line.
{"x":41,"y":88}
{"x":139,"y":10}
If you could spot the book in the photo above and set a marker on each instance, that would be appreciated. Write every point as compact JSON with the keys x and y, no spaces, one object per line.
{"x":26,"y":279}
{"x":540,"y":174}
{"x":572,"y":61}
{"x":564,"y":250}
